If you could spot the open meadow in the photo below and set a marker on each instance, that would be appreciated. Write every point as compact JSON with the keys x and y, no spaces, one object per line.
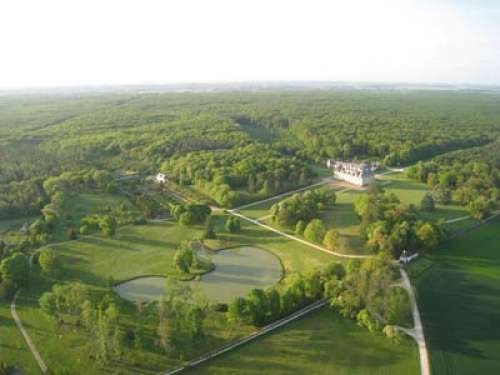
{"x":321,"y":343}
{"x":458,"y":290}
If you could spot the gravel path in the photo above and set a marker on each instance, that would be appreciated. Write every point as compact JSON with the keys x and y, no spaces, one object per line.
{"x":418,"y":331}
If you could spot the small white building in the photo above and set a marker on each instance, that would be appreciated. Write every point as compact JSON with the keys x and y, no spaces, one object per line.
{"x":161,"y":178}
{"x":359,"y":174}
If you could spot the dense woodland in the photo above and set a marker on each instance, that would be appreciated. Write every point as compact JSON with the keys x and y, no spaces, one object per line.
{"x":233,"y":147}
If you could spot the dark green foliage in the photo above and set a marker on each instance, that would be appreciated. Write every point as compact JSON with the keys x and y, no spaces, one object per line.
{"x":6,"y":369}
{"x":72,"y":234}
{"x":315,"y":231}
{"x":427,"y":203}
{"x":191,"y":213}
{"x":15,"y":268}
{"x":7,"y":290}
{"x":233,"y":225}
{"x":480,"y":208}
{"x":392,"y":227}
{"x":209,"y":230}
{"x":302,"y":207}
{"x":49,"y":262}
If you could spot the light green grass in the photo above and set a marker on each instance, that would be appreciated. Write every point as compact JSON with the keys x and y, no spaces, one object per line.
{"x":459,"y":298}
{"x":134,"y":251}
{"x":320,"y":343}
{"x":137,"y":251}
{"x":343,"y":218}
{"x":412,"y":192}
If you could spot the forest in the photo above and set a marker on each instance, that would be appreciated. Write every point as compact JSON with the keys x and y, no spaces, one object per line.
{"x":236,"y":147}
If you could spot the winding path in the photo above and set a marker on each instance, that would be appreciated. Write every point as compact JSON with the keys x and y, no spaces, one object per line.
{"x":27,"y":337}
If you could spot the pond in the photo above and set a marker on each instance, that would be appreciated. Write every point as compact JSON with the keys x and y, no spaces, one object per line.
{"x":237,"y":272}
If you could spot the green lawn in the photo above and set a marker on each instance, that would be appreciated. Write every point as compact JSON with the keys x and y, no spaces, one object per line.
{"x":459,"y":298}
{"x":343,"y":218}
{"x":319,"y":343}
{"x":409,"y":191}
{"x":134,"y":251}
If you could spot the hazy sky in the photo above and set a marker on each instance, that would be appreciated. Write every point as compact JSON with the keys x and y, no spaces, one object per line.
{"x":75,"y":42}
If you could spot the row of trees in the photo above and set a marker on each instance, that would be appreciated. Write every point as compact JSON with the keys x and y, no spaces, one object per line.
{"x":71,"y":304}
{"x":363,"y":291}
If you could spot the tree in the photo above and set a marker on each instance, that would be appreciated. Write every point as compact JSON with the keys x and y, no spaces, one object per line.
{"x":393,"y":333}
{"x":480,"y":208}
{"x":332,"y":239}
{"x":15,"y":268}
{"x":315,"y":231}
{"x":233,"y":225}
{"x":274,"y":304}
{"x":441,"y":194}
{"x":49,"y":261}
{"x":184,"y":258}
{"x":236,"y":310}
{"x":186,"y":218}
{"x":209,"y":231}
{"x":258,"y":303}
{"x":365,"y":319}
{"x":398,"y":307}
{"x":300,"y":227}
{"x":427,"y":203}
{"x":108,"y":225}
{"x":7,"y":290}
{"x":429,"y":236}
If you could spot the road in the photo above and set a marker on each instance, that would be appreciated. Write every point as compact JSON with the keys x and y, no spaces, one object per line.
{"x":27,"y":337}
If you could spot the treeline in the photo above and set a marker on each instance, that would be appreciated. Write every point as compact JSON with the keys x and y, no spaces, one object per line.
{"x":391,"y":226}
{"x":472,"y":183}
{"x":360,"y":290}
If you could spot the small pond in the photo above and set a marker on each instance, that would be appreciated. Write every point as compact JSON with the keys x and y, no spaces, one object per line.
{"x":237,"y":272}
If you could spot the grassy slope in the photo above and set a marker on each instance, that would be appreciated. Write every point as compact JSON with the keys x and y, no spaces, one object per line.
{"x":459,"y":297}
{"x":320,"y":343}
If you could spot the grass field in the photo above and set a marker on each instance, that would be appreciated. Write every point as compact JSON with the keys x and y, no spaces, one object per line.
{"x":343,"y":218}
{"x":412,"y":192}
{"x":135,"y":251}
{"x":459,"y":298}
{"x":320,"y":343}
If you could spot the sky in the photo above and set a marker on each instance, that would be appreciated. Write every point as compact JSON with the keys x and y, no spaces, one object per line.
{"x":114,"y":42}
